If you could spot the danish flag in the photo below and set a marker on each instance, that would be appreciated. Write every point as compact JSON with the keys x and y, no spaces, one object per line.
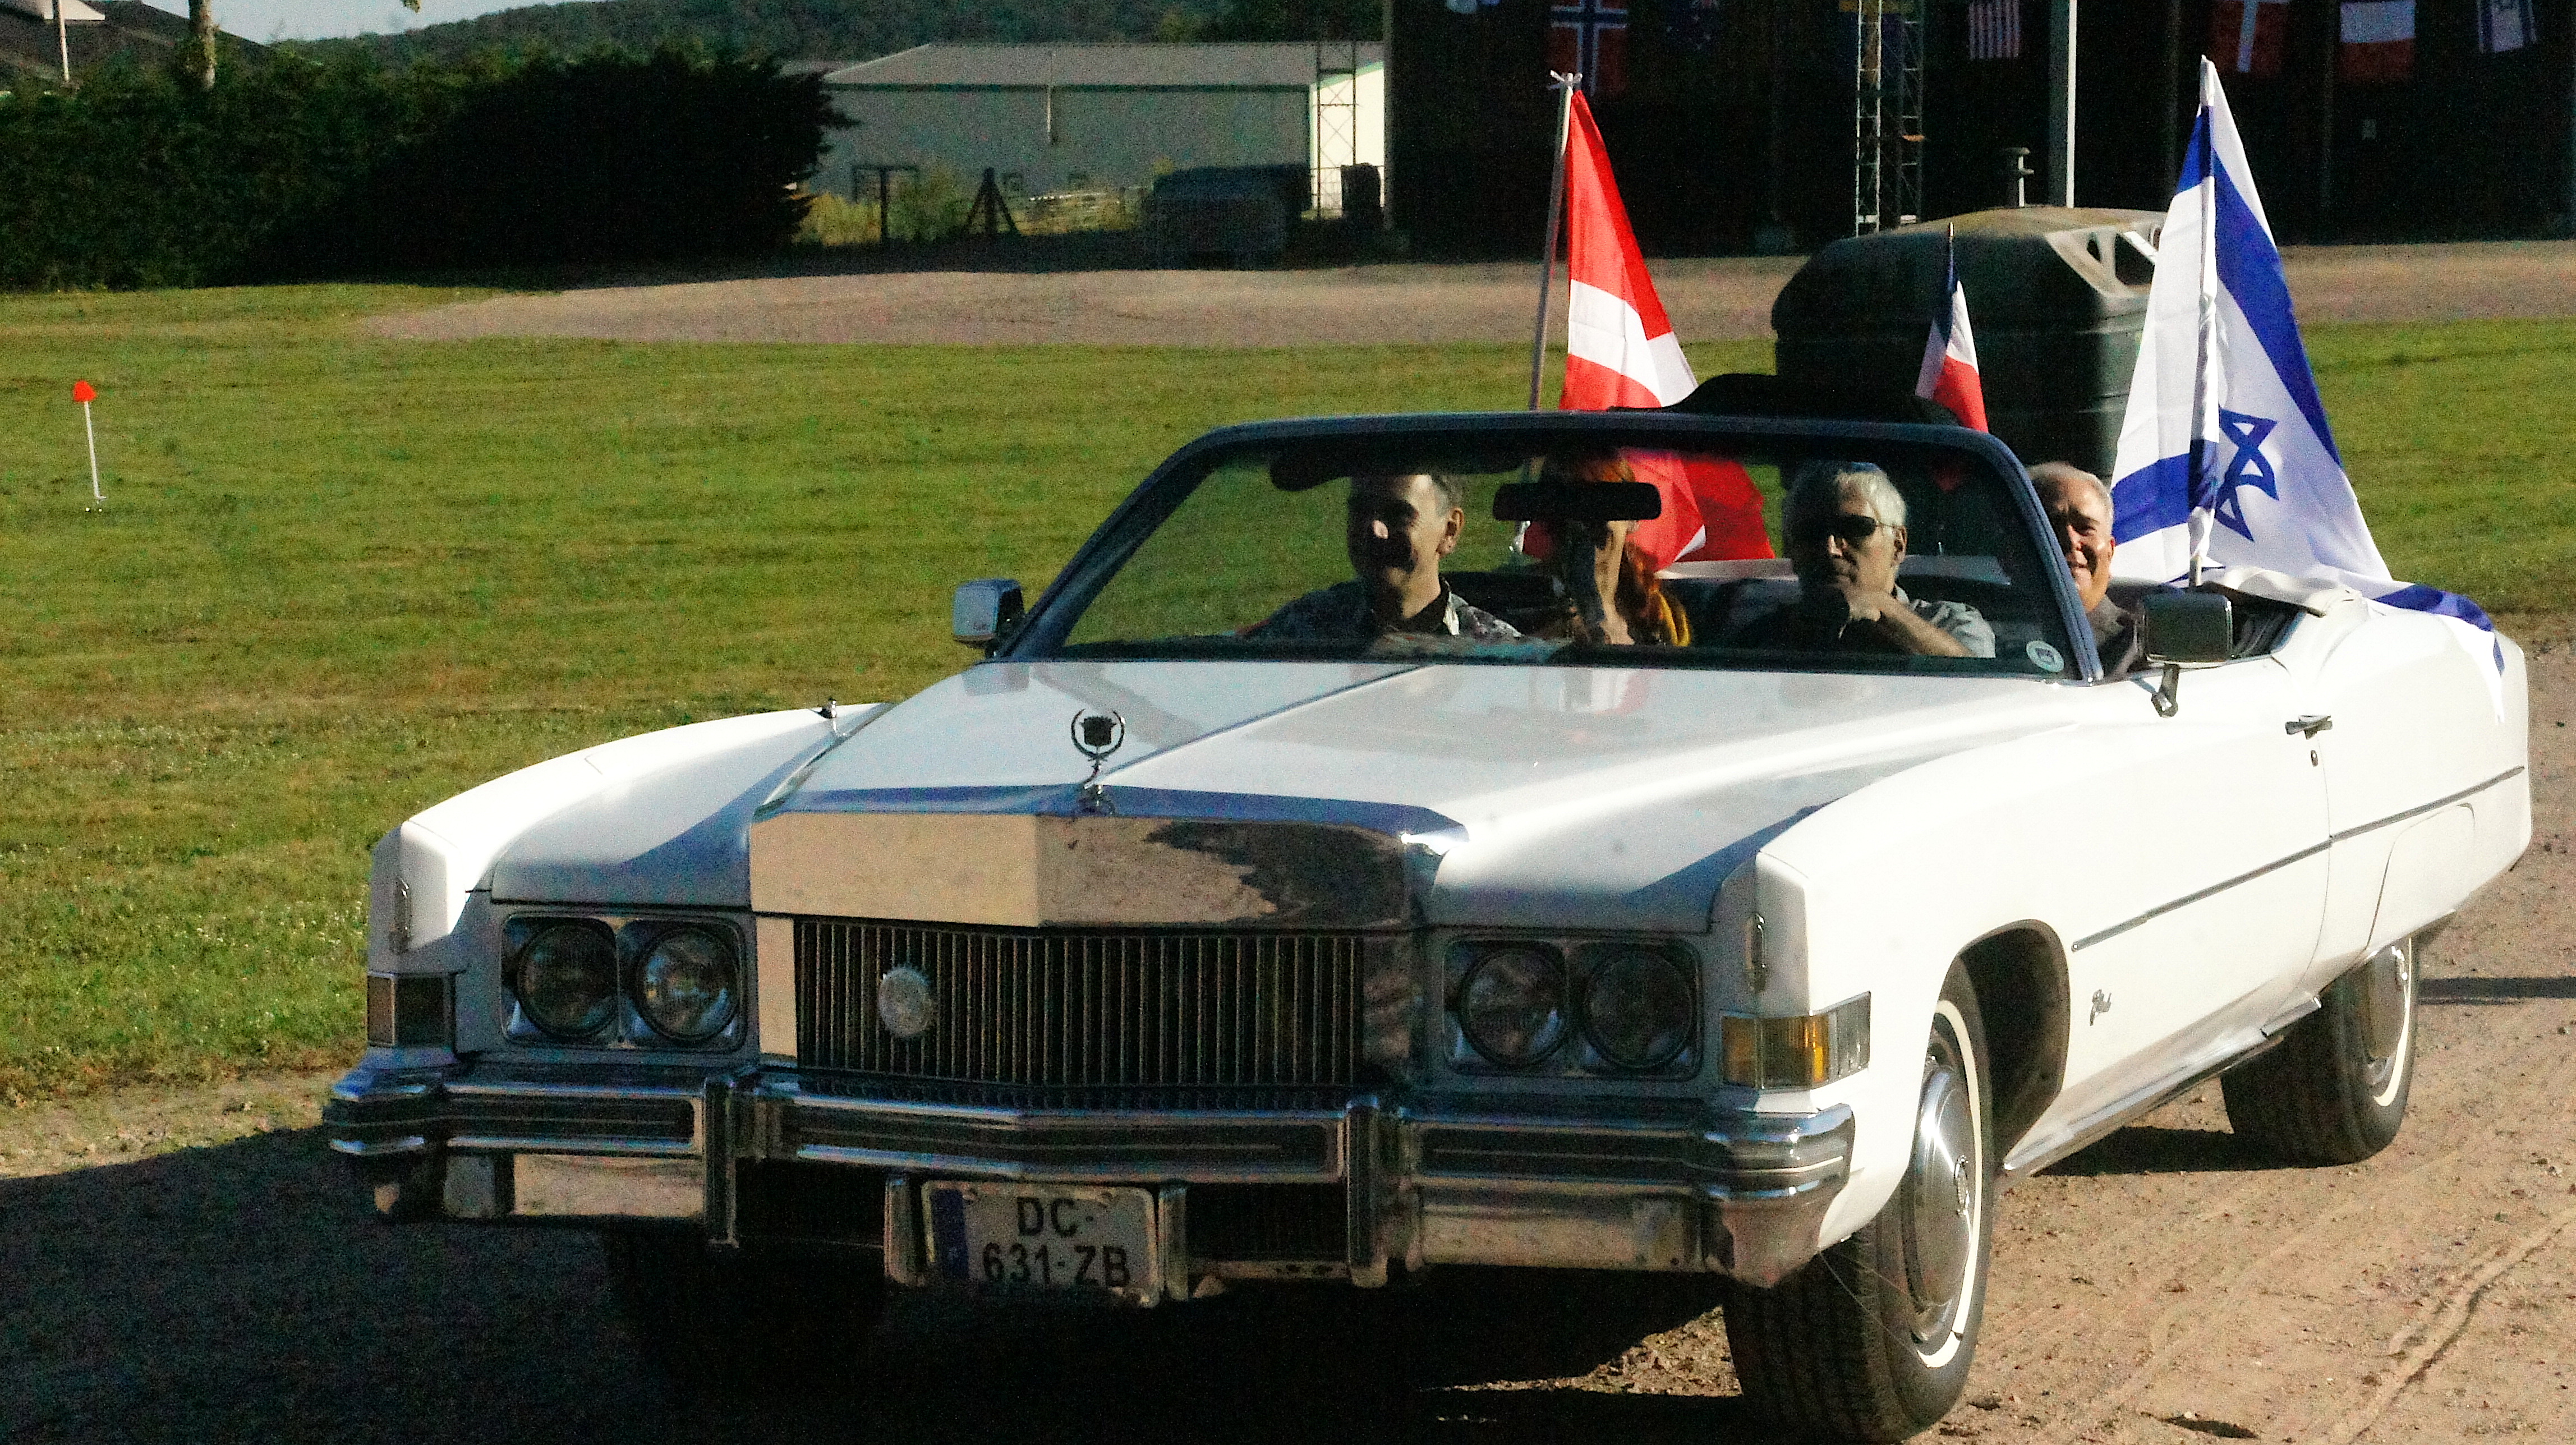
{"x":1620,"y":351}
{"x":1949,"y":374}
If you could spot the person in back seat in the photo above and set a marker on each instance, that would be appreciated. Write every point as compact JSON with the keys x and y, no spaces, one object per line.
{"x":1845,"y":524}
{"x":1396,"y":529}
{"x":2079,"y":516}
{"x":1612,"y":595}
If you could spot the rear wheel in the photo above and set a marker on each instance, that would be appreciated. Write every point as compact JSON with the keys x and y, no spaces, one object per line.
{"x":2334,"y":1090}
{"x":726,"y":1322}
{"x":1871,"y":1340}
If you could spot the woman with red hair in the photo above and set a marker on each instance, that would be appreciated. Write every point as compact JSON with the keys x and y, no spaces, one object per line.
{"x":1611,"y":591}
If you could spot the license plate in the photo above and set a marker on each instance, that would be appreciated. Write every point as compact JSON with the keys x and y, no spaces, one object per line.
{"x":1014,"y":1236}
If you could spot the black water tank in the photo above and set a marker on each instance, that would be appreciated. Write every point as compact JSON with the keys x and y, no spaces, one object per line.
{"x":2056,"y":298}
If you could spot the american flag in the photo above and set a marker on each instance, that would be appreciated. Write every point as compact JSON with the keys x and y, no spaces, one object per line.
{"x":1994,"y":29}
{"x":2503,"y":25}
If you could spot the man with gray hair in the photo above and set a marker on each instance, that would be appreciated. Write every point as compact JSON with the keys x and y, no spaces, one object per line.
{"x":1845,"y":527}
{"x":2079,"y":515}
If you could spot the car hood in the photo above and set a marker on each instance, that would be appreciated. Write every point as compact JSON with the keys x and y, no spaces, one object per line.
{"x":1569,"y":797}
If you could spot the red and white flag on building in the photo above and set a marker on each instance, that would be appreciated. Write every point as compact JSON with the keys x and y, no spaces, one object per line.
{"x":2378,"y":42}
{"x":1620,"y":351}
{"x":2249,"y":37}
{"x":1949,"y":375}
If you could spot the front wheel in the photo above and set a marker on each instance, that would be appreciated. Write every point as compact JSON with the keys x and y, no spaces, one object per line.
{"x":1871,"y":1340}
{"x":2334,"y":1090}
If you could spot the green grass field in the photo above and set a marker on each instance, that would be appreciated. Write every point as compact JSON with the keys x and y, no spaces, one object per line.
{"x":338,"y":579}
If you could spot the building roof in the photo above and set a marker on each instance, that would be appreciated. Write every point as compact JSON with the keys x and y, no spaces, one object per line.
{"x":75,"y":12}
{"x":31,"y":53}
{"x":1289,"y":66}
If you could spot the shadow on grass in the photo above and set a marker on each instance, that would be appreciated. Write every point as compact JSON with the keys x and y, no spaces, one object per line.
{"x":244,"y":1291}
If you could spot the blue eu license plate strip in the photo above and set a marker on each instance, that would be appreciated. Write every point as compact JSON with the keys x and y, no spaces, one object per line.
{"x":949,"y":1253}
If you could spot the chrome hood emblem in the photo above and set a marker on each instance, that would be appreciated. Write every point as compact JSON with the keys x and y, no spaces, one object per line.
{"x":1097,"y":734}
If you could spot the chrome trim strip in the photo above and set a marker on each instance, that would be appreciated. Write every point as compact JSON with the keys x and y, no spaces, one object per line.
{"x":2085,"y":1133}
{"x":2346,"y":835}
{"x":2459,"y":796}
{"x":505,"y":1088}
{"x":377,"y":1149}
{"x":2185,"y":901}
{"x":544,"y":1144}
{"x":1124,"y":1170}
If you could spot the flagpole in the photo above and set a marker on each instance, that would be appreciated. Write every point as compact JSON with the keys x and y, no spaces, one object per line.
{"x":2196,"y":524}
{"x":1563,"y":84}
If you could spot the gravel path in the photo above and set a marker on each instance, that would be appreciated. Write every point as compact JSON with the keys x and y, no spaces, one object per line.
{"x":1709,"y":300}
{"x":189,"y":1265}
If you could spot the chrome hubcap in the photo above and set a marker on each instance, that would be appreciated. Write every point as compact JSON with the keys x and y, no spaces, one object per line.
{"x":2387,"y":987}
{"x":1940,"y":1201}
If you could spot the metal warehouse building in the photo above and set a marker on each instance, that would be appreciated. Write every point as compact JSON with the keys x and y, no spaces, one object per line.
{"x":1050,"y":118}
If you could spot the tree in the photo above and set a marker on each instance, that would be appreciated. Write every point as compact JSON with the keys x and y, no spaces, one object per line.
{"x":197,"y":57}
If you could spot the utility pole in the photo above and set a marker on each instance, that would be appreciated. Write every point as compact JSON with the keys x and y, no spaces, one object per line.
{"x":63,"y":38}
{"x":2061,"y":102}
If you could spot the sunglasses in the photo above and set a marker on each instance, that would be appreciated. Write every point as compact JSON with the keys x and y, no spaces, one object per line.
{"x":1853,"y":528}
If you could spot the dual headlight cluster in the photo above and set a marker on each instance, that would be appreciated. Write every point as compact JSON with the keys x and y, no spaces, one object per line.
{"x":681,"y":981}
{"x":1628,"y":1008}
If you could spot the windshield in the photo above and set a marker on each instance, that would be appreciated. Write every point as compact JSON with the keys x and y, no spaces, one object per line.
{"x":1590,"y":548}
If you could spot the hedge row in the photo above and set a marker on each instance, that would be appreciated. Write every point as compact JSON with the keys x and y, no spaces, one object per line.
{"x":293,"y":169}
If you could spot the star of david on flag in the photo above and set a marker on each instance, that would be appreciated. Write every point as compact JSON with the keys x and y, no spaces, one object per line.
{"x":2225,"y":456}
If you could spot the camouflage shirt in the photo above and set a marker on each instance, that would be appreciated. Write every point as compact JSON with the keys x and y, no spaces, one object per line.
{"x":1340,"y":613}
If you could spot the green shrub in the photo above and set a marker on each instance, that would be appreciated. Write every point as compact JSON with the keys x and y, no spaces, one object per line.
{"x":291,"y":168}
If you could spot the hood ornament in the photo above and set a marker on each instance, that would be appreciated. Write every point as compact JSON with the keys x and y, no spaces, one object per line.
{"x":1096,"y":735}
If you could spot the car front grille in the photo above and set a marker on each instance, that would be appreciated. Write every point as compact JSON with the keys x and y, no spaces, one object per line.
{"x":1074,"y":1008}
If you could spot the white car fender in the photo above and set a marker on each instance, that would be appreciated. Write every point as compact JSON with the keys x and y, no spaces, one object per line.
{"x":425,"y":870}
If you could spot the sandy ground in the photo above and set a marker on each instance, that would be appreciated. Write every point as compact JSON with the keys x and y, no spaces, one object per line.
{"x":184,"y":1265}
{"x":1709,"y":300}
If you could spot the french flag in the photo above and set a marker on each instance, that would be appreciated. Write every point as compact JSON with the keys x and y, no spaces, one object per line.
{"x":1949,"y":374}
{"x":1620,"y":351}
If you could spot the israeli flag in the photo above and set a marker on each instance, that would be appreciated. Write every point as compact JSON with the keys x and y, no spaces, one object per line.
{"x":2225,"y":457}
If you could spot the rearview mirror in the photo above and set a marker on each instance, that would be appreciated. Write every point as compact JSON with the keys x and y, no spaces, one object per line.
{"x":2188,"y":627}
{"x":1577,"y":502}
{"x":984,"y":610}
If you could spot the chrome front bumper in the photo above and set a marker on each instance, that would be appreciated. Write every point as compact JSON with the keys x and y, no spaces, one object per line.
{"x":750,"y":1156}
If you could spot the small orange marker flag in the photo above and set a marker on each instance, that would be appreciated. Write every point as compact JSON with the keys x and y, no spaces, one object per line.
{"x":84,"y":393}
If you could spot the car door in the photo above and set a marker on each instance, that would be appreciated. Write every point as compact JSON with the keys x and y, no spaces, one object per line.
{"x":2212,"y":829}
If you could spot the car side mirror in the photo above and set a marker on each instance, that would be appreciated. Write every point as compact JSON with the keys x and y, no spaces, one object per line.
{"x":2181,"y":629}
{"x":2188,"y":627}
{"x":985,"y":610}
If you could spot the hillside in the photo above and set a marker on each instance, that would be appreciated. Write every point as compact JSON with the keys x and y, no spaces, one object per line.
{"x":849,"y":30}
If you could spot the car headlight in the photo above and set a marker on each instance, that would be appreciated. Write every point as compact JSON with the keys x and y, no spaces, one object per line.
{"x":565,"y":979}
{"x":1800,"y":1052}
{"x":1638,"y":1009}
{"x":686,"y":986}
{"x":1511,"y":1006}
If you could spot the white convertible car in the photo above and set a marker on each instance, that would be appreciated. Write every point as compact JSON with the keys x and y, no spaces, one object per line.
{"x":1237,"y":918}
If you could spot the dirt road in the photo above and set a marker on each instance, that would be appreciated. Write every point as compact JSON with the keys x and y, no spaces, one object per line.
{"x":187,"y":1266}
{"x":1709,"y":300}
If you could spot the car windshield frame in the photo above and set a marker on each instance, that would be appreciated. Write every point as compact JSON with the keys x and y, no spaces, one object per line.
{"x":1042,"y":635}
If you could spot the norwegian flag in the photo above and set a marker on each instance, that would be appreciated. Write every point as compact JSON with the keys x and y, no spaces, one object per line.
{"x":1620,"y":351}
{"x":2248,"y":37}
{"x":1949,"y":374}
{"x":1590,"y":38}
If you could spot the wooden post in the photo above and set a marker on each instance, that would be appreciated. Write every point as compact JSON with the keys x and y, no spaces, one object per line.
{"x":63,"y":38}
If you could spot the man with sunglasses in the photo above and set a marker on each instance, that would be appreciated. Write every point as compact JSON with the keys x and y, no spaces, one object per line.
{"x":1845,"y":525}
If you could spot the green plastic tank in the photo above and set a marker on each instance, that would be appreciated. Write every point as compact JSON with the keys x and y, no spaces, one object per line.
{"x":2056,"y":299}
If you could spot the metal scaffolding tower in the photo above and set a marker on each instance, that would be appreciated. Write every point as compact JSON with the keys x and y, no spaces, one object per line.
{"x":1337,"y":127}
{"x":1887,"y":113}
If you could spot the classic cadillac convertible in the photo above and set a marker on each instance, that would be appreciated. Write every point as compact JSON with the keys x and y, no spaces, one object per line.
{"x":1169,"y":945}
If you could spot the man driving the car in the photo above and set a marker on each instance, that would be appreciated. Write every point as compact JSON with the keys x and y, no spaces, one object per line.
{"x":1845,"y":527}
{"x":1396,"y":528}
